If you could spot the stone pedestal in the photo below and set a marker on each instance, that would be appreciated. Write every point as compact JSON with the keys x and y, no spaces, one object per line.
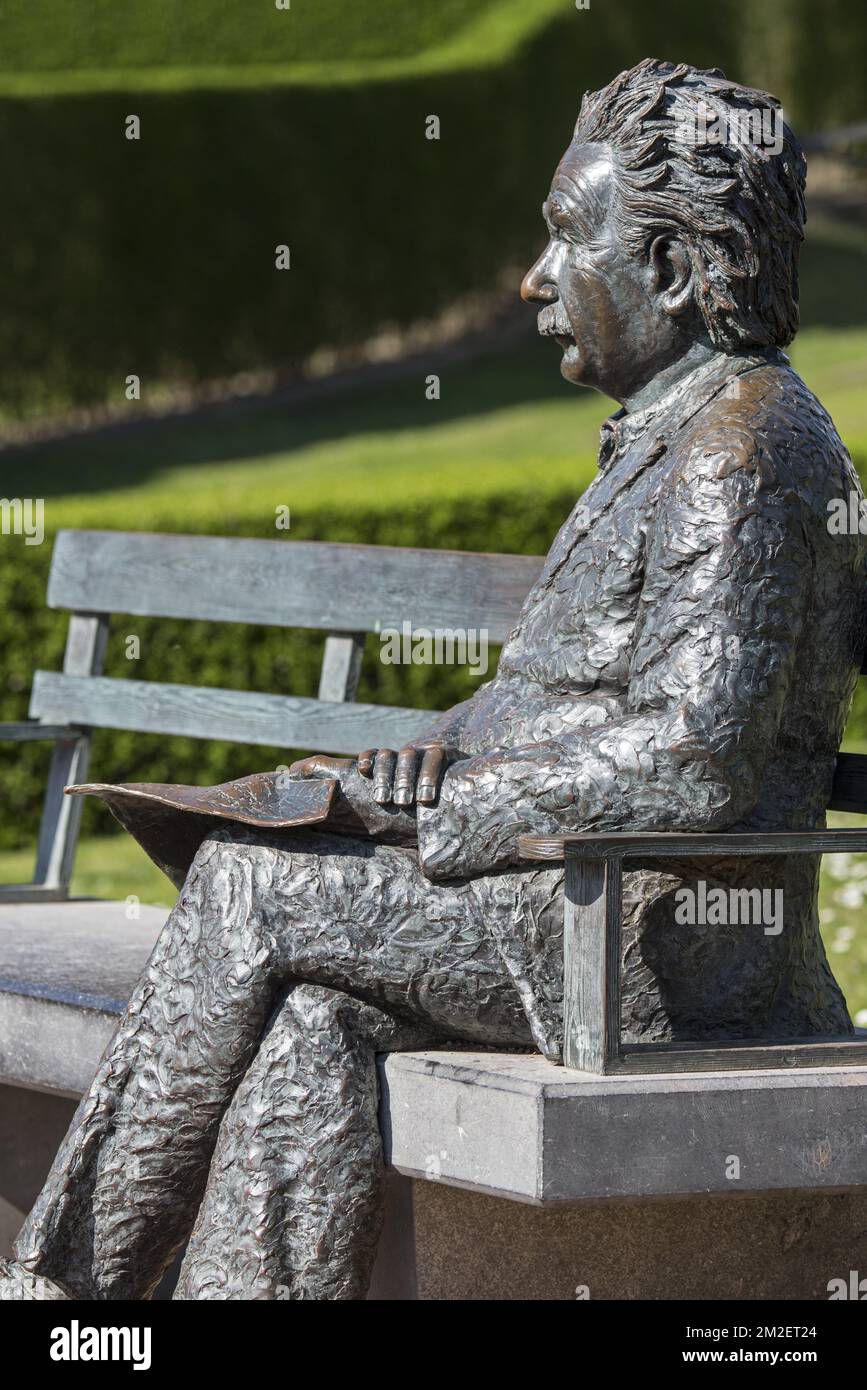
{"x":512,"y":1179}
{"x":532,"y":1182}
{"x":32,"y":1126}
{"x":785,"y":1246}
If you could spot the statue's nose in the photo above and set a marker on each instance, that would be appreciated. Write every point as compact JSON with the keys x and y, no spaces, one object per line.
{"x":537,"y":287}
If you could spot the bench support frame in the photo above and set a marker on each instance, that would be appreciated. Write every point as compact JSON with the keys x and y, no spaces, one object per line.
{"x":592,"y":955}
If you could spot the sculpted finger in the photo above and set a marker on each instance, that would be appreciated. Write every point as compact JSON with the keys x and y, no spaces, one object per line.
{"x":404,"y":777}
{"x":366,"y":761}
{"x":431,"y":770}
{"x":383,"y":774}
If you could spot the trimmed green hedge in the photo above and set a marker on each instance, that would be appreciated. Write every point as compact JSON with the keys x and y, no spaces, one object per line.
{"x":156,"y":257}
{"x":64,"y":35}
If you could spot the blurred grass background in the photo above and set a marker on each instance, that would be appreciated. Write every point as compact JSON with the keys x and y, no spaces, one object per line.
{"x":306,"y":126}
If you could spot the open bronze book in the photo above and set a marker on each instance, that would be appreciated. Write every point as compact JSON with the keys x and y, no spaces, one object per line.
{"x":170,"y":822}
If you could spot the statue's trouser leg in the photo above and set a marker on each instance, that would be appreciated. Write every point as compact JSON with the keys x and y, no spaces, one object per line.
{"x":254,"y":916}
{"x":129,"y":1174}
{"x":293,"y":1207}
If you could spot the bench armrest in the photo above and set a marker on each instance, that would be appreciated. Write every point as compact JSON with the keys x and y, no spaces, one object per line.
{"x":30,"y":730}
{"x":592,"y":949}
{"x":640,"y":844}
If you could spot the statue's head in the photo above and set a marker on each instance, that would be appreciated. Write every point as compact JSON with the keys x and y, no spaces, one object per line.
{"x":675,"y":216}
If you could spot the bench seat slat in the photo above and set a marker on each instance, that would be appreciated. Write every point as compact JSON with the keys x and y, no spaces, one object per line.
{"x":236,"y":716}
{"x":329,"y":587}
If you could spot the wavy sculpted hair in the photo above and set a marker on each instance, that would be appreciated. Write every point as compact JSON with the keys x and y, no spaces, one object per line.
{"x":737,"y":205}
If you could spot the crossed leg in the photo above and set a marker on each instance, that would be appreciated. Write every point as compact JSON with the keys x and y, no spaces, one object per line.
{"x":293,"y":1206}
{"x":241,"y":1081}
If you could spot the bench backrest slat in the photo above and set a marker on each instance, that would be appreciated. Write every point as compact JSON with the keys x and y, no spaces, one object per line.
{"x":285,"y":583}
{"x":236,"y":716}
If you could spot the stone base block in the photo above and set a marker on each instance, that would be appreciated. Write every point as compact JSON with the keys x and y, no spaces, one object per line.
{"x":783,"y":1246}
{"x":32,"y":1126}
{"x":528,"y":1131}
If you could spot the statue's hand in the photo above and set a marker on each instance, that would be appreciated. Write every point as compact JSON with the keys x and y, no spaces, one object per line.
{"x":413,"y":774}
{"x":360,"y":806}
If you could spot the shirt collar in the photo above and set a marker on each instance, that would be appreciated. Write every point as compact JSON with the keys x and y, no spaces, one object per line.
{"x":625,"y":428}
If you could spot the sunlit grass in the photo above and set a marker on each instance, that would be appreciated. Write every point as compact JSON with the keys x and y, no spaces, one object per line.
{"x":106,"y":866}
{"x":391,"y":445}
{"x":843,"y":920}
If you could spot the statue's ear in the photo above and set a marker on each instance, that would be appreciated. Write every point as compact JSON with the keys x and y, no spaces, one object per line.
{"x":671,"y":271}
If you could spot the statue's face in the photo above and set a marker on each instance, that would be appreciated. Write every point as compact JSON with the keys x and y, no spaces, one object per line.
{"x":598,"y":299}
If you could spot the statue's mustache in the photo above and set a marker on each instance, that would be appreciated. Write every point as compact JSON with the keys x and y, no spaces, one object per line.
{"x":553,"y":321}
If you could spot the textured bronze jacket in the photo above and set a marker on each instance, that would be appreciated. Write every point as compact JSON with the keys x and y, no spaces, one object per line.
{"x":686,"y":661}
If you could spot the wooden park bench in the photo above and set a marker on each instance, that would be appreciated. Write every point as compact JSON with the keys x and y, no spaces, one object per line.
{"x":90,"y":950}
{"x":67,"y":966}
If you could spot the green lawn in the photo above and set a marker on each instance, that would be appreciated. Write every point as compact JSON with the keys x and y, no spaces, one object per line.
{"x":842,"y":910}
{"x":106,"y":866}
{"x":502,"y":423}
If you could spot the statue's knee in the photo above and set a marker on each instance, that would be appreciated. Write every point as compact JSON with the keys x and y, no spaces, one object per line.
{"x":217,"y":849}
{"x":224,"y":867}
{"x":314,"y":1009}
{"x":317,"y":1013}
{"x":222,"y":897}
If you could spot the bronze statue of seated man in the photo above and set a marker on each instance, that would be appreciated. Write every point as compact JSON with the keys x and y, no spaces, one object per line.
{"x":686,"y":661}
